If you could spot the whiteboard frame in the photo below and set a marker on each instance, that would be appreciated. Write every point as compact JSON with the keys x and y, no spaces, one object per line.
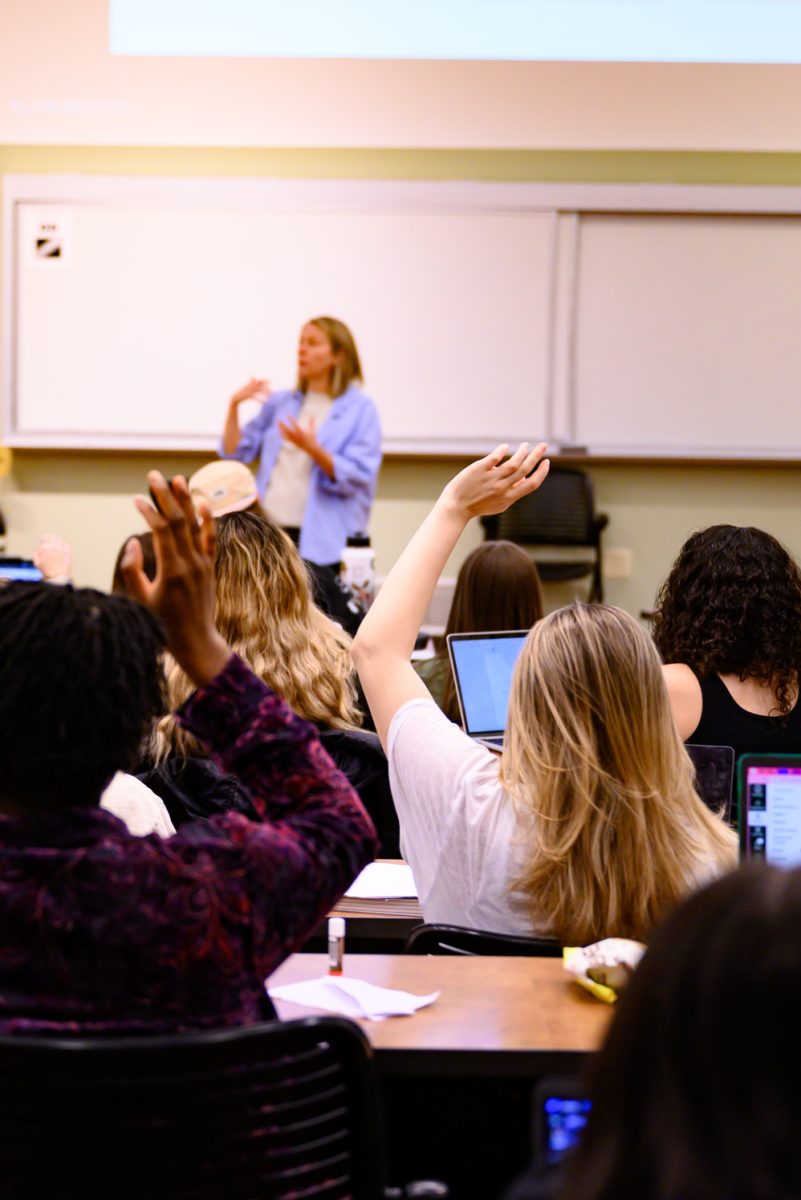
{"x":566,"y":203}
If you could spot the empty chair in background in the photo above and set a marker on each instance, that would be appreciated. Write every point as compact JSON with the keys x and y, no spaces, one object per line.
{"x":562,"y":516}
{"x":497,"y":588}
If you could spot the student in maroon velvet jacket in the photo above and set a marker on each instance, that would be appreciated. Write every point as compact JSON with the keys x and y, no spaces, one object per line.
{"x":104,"y":931}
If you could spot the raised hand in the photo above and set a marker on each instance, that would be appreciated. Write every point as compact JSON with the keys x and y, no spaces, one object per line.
{"x":254,"y":389}
{"x":493,"y":483}
{"x":304,"y":436}
{"x":183,"y":591}
{"x":53,"y":557}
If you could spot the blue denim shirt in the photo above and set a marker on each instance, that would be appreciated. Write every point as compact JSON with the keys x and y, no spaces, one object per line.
{"x":338,"y":507}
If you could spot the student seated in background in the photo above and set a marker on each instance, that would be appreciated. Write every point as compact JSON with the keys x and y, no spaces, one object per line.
{"x":728,"y":627}
{"x":498,"y":587}
{"x":229,"y":487}
{"x":695,"y":1092}
{"x":589,"y":824}
{"x":265,"y":612}
{"x":103,"y":931}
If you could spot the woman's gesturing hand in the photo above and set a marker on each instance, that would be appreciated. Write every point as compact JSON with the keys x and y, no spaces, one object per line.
{"x":254,"y":389}
{"x":182,"y":594}
{"x":493,"y":483}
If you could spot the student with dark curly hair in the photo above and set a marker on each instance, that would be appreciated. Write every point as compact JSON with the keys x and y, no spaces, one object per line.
{"x":105,"y":932}
{"x":728,"y":627}
{"x":695,"y":1092}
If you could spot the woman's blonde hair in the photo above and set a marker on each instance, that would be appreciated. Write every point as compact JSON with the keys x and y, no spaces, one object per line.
{"x":347,"y":366}
{"x":267,"y":616}
{"x":593,"y":760}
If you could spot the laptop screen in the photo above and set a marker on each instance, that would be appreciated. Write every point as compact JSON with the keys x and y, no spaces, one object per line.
{"x":482,"y":671}
{"x":19,"y":568}
{"x":770,"y":809}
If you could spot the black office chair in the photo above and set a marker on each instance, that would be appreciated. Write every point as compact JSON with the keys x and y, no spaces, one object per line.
{"x":260,"y":1112}
{"x":714,"y":776}
{"x":561,"y":513}
{"x":458,"y":939}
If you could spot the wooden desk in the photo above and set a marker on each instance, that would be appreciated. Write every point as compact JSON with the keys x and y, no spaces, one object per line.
{"x":458,"y":1077}
{"x":500,"y":1017}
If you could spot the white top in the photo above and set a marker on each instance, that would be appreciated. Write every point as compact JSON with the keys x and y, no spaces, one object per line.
{"x":459,"y":832}
{"x":288,"y":489}
{"x":134,"y":803}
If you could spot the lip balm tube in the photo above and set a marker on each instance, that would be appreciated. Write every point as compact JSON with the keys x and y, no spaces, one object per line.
{"x":336,"y":944}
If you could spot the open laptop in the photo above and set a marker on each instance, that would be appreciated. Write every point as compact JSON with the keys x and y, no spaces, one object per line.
{"x":769,"y":794}
{"x":482,"y":665}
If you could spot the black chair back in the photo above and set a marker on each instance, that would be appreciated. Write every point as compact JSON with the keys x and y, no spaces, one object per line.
{"x":458,"y":939}
{"x":262,"y":1112}
{"x":560,"y":513}
{"x":714,"y":776}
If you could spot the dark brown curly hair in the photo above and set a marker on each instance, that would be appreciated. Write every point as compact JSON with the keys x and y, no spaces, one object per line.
{"x":732,"y":605}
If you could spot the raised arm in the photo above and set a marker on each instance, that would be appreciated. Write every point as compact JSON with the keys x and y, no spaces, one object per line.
{"x":316,"y":836}
{"x":383,"y":646}
{"x":254,"y":389}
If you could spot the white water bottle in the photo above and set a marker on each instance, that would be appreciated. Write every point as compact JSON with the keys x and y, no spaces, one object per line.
{"x":358,"y":569}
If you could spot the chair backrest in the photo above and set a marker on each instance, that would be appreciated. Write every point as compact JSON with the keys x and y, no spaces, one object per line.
{"x":262,"y":1112}
{"x":562,"y":512}
{"x":458,"y":939}
{"x":359,"y":755}
{"x":714,"y":776}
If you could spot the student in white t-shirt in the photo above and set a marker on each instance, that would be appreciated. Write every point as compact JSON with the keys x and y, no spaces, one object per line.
{"x":588,"y":825}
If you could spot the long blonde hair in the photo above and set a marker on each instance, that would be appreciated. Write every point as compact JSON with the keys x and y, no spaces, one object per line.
{"x":267,"y":616}
{"x":594,"y":764}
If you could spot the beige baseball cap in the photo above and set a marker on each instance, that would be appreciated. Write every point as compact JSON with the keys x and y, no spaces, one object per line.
{"x":226,"y":487}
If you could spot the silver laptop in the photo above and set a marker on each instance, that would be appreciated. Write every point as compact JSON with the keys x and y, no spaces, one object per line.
{"x":482,"y":665}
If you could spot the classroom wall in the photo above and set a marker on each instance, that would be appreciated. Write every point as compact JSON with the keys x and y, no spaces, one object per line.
{"x":87,"y":497}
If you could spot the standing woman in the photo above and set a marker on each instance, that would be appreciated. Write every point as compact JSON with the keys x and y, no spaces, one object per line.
{"x":319,"y":444}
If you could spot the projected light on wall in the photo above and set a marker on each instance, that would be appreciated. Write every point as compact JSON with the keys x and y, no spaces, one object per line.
{"x":736,"y":31}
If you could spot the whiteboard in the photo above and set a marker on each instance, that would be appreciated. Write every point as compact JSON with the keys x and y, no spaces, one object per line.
{"x":150,"y":313}
{"x":626,"y":320}
{"x":687,"y":334}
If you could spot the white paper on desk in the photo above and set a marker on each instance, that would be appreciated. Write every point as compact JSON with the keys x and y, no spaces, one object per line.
{"x":383,"y":881}
{"x":352,"y":997}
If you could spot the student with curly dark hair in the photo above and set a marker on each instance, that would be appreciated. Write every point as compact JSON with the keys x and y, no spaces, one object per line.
{"x":105,"y":932}
{"x":728,"y":627}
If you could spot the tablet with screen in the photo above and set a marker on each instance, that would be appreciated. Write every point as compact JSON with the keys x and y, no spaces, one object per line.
{"x":769,"y":791}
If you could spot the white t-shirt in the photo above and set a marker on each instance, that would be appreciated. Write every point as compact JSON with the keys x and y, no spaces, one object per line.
{"x":459,"y":831}
{"x":288,"y":489}
{"x":140,"y":808}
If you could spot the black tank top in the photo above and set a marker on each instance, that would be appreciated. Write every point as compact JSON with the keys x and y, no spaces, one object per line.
{"x":724,"y":723}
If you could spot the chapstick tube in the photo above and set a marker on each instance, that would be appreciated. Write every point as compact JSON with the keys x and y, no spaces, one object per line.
{"x":336,"y":944}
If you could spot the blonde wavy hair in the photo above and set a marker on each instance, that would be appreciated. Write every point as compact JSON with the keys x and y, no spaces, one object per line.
{"x":267,"y":616}
{"x":594,"y":764}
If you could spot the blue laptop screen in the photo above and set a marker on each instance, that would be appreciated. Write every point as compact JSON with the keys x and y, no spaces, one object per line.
{"x":484,"y":668}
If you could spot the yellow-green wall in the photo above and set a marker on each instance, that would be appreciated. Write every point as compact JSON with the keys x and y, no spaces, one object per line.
{"x":87,"y":496}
